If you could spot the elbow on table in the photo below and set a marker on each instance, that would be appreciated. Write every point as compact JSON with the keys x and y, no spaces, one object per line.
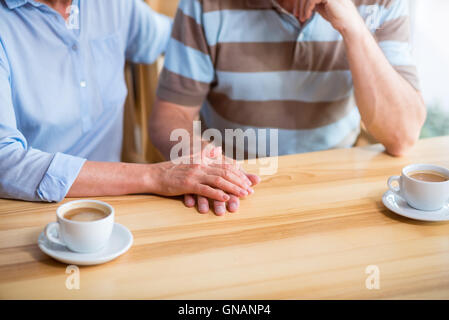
{"x":406,"y":135}
{"x":399,"y":149}
{"x":401,"y":143}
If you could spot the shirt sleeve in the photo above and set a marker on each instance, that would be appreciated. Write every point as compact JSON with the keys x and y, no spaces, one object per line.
{"x":27,"y":173}
{"x":394,"y":38}
{"x":148,"y":32}
{"x":189,"y":68}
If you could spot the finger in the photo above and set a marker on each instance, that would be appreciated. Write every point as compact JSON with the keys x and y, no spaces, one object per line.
{"x":231,"y":174}
{"x":189,"y":200}
{"x":209,"y":153}
{"x":220,"y":183}
{"x":233,"y":204}
{"x":216,"y":152}
{"x":203,"y":205}
{"x":302,"y":9}
{"x":296,"y":11}
{"x":255,"y":179}
{"x":219,"y":208}
{"x":226,"y":160}
{"x":230,"y":164}
{"x":311,"y":4}
{"x":209,"y":192}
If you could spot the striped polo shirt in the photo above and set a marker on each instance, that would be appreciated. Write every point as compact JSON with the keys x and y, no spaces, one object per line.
{"x":251,"y":65}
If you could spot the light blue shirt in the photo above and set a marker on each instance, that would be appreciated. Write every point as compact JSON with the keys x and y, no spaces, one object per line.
{"x":62,"y":88}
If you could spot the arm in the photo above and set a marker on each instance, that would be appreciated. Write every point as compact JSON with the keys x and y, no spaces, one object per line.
{"x":183,"y":85}
{"x":147,"y":32}
{"x":167,"y":179}
{"x":33,"y":175}
{"x":30,"y":174}
{"x":109,"y":178}
{"x":165,"y":118}
{"x":391,"y":109}
{"x":27,"y":173}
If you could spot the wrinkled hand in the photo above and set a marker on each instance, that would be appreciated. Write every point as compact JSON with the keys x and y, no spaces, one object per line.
{"x":342,"y":14}
{"x":214,"y":181}
{"x":214,"y":154}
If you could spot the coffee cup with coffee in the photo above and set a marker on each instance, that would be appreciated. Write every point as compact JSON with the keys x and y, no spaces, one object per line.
{"x":83,"y":226}
{"x":424,"y":186}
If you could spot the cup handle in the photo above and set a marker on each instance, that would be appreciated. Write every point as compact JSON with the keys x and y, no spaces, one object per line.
{"x":48,"y":233}
{"x":396,"y":190}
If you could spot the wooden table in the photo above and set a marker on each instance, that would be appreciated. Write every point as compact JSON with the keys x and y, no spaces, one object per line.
{"x":310,"y":231}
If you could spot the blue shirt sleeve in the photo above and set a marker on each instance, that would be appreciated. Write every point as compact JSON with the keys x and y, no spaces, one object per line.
{"x":148,"y":33}
{"x":27,"y":173}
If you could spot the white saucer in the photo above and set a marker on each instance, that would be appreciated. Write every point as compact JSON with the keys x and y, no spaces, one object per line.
{"x":398,"y":205}
{"x":120,"y":241}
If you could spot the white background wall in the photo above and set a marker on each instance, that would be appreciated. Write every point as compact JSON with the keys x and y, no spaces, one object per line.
{"x":431,"y":49}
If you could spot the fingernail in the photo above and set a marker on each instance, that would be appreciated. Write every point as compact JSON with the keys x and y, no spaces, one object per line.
{"x":220,"y":210}
{"x":243,"y":193}
{"x":251,"y":190}
{"x":233,"y":207}
{"x":226,"y":197}
{"x":203,"y":208}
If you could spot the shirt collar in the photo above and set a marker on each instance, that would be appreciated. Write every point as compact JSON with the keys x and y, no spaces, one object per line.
{"x":12,"y":4}
{"x":259,"y":4}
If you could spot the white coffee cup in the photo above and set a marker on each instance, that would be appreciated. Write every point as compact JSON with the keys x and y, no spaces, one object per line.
{"x":81,"y":236}
{"x":421,"y":195}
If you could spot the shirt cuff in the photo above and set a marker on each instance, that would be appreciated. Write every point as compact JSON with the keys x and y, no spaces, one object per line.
{"x":59,"y":177}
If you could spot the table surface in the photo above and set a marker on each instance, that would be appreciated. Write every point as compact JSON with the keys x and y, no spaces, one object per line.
{"x":310,"y":231}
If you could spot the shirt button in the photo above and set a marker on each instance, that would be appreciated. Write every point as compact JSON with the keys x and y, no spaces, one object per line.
{"x":83,"y":84}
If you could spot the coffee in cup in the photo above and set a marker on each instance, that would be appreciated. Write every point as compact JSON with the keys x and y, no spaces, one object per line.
{"x":428,"y":176}
{"x":83,"y":226}
{"x":423,"y":186}
{"x":85,"y":214}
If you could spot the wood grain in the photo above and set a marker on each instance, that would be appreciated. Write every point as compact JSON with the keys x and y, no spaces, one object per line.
{"x":309,"y":231}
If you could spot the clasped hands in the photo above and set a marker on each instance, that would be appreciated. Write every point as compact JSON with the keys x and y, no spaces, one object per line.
{"x":207,"y":175}
{"x":218,"y":178}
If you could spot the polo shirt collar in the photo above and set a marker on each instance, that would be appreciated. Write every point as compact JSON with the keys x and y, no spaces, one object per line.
{"x":259,"y":4}
{"x":12,"y":4}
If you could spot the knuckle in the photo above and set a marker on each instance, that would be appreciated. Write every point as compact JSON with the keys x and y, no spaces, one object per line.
{"x":190,"y":185}
{"x":218,"y":180}
{"x":227,"y":174}
{"x":199,"y":189}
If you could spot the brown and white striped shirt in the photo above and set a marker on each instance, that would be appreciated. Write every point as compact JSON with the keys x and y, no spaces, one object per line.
{"x":250,"y":64}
